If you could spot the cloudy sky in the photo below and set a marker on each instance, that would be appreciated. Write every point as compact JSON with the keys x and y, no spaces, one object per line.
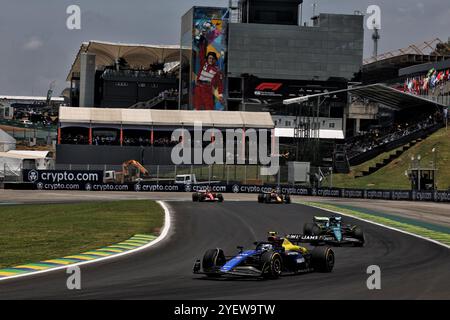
{"x":37,"y":48}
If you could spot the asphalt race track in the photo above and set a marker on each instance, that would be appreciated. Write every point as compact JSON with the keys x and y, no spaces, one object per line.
{"x":411,"y":268}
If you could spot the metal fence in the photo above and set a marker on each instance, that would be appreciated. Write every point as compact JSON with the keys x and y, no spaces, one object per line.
{"x":11,"y":173}
{"x":20,"y":132}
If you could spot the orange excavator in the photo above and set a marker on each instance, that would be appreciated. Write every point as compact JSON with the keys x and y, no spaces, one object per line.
{"x":132,"y":171}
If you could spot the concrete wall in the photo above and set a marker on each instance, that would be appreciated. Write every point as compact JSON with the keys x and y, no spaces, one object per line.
{"x":87,"y":80}
{"x":334,"y":48}
{"x":111,"y":155}
{"x":359,"y":110}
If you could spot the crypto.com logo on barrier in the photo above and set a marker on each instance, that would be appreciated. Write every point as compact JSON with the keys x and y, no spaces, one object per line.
{"x":190,"y":151}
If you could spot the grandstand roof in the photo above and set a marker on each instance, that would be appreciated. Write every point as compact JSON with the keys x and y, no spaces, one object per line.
{"x":30,"y":98}
{"x":137,"y":55}
{"x":30,"y":153}
{"x":424,"y":68}
{"x":6,"y":138}
{"x":390,"y":97}
{"x":221,"y":119}
{"x":425,"y":50}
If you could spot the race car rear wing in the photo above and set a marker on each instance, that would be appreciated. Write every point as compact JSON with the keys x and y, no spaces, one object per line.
{"x":317,"y":240}
{"x":301,"y":238}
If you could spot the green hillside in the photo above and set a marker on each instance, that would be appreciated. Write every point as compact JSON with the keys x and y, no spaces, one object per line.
{"x":393,"y":175}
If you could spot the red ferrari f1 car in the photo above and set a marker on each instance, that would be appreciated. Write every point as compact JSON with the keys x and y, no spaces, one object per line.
{"x":207,"y":196}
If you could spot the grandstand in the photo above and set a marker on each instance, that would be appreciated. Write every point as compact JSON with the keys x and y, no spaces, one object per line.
{"x":122,"y":75}
{"x":402,"y":100}
{"x":92,"y":136}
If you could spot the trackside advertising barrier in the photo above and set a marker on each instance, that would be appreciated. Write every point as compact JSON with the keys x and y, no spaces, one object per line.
{"x":93,"y":181}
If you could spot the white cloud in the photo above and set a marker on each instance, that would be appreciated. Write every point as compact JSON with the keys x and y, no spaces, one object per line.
{"x":33,"y":44}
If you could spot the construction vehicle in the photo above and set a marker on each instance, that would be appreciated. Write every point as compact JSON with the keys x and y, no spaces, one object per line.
{"x":132,"y":171}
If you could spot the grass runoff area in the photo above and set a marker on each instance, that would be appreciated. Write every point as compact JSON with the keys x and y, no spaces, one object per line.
{"x":393,"y":175}
{"x":33,"y":233}
{"x":440,"y":234}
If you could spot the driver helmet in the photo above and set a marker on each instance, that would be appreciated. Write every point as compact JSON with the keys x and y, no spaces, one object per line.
{"x":266,"y":247}
{"x":335,"y":219}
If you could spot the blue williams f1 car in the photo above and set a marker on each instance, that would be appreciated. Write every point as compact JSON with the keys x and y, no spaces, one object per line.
{"x":269,"y":260}
{"x":330,"y":231}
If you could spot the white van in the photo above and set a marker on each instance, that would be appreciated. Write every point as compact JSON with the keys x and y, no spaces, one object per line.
{"x":186,"y":179}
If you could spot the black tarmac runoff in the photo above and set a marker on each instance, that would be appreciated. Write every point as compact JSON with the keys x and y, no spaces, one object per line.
{"x":411,"y":268}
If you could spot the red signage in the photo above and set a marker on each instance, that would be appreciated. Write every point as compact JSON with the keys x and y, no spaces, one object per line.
{"x":268,"y":86}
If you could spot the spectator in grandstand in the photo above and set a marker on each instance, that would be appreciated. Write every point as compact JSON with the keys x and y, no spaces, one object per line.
{"x":372,"y":139}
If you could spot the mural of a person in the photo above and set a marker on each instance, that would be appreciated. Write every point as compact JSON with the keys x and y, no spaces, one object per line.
{"x":209,"y":45}
{"x":209,"y":79}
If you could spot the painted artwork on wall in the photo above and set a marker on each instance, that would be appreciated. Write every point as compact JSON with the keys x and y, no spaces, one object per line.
{"x":209,"y":58}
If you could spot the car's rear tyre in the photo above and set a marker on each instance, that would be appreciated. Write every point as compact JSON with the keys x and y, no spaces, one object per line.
{"x":287,"y":199}
{"x":307,"y":229}
{"x":220,"y":197}
{"x":322,"y":259}
{"x":271,"y":265}
{"x":260,"y":198}
{"x":316,"y":231}
{"x":212,"y":259}
{"x":195,"y":197}
{"x":267,"y":198}
{"x":359,"y":235}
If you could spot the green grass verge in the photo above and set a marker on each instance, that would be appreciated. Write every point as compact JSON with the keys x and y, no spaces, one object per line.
{"x":32,"y":233}
{"x":393,"y":175}
{"x":430,"y":234}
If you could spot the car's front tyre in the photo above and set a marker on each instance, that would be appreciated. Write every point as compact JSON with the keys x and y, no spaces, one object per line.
{"x":213,"y":259}
{"x":359,"y":235}
{"x":271,"y":265}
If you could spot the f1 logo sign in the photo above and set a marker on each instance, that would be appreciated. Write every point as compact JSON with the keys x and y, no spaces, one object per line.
{"x":269,"y":86}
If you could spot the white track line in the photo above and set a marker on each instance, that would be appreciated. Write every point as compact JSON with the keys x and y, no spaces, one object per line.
{"x":162,"y":236}
{"x":380,"y":225}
